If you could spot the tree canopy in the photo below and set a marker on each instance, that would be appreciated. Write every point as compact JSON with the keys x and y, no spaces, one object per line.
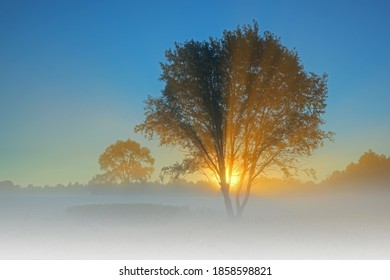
{"x":237,"y":106}
{"x":370,"y":170}
{"x":124,"y":162}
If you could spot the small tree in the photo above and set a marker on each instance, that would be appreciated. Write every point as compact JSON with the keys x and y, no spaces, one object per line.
{"x":237,"y":106}
{"x":124,"y":162}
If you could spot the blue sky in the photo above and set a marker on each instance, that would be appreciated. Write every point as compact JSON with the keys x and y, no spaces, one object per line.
{"x":74,"y":74}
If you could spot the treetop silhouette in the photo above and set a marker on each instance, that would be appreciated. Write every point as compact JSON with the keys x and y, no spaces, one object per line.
{"x":237,"y":106}
{"x":124,"y":162}
{"x":371,"y":170}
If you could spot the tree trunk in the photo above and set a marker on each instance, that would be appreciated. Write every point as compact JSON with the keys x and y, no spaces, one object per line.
{"x":228,"y":202}
{"x":240,"y":209}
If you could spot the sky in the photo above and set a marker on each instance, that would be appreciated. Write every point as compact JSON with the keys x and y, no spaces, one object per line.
{"x":74,"y":75}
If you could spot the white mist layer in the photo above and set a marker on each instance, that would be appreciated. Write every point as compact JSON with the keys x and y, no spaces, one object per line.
{"x":85,"y":226}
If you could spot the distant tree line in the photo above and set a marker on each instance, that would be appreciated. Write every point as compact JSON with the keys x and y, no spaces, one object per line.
{"x":370,"y":170}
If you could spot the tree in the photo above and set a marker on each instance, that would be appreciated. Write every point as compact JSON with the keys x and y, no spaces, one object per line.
{"x":370,"y":170}
{"x":124,"y":162}
{"x":237,"y":106}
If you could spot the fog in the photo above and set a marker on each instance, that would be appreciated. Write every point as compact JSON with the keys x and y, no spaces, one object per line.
{"x":169,"y":224}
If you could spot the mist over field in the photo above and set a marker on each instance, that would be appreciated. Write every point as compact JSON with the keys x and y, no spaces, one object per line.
{"x":154,"y":221}
{"x":121,"y":93}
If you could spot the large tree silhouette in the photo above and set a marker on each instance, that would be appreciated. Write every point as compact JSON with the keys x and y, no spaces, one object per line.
{"x":124,"y":162}
{"x":237,"y":106}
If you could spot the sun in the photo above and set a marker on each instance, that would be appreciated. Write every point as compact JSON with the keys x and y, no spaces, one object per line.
{"x":234,"y":180}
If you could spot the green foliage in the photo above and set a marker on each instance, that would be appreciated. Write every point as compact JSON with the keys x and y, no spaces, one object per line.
{"x":237,"y":106}
{"x":124,"y":162}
